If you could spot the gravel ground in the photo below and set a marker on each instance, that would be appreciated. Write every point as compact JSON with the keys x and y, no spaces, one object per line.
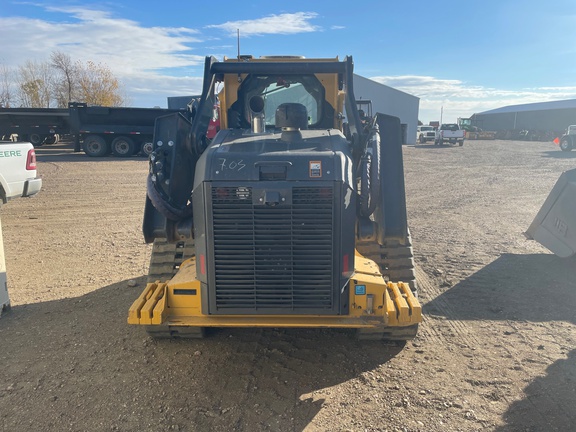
{"x":496,"y":350}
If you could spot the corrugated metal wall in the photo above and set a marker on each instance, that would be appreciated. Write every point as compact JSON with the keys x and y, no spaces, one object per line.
{"x":552,"y":120}
{"x":388,"y":100}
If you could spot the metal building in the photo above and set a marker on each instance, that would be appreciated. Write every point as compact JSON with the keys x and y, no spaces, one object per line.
{"x":553,"y":116}
{"x":388,"y":100}
{"x":385,"y":100}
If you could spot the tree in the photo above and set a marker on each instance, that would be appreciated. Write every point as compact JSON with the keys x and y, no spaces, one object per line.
{"x":35,"y":81}
{"x":6,"y":88}
{"x":59,"y":81}
{"x":66,"y":82}
{"x":99,"y":86}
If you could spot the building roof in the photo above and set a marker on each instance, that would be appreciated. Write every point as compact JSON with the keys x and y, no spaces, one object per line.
{"x":399,"y":92}
{"x":538,"y":106}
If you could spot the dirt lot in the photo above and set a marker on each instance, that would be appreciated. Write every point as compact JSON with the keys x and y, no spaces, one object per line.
{"x":496,"y":350}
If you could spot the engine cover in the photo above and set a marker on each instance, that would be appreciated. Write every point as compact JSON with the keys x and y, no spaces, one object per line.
{"x":276,"y":234}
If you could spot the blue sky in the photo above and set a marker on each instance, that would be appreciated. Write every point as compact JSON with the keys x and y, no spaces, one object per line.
{"x":465,"y":56}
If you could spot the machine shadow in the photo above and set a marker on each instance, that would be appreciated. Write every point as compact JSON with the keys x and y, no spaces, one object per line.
{"x":248,"y":378}
{"x":433,"y":146}
{"x":536,"y":288}
{"x":549,"y":402}
{"x":559,"y":154}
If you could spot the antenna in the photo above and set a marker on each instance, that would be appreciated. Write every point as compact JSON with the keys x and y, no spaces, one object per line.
{"x":238,"y":39}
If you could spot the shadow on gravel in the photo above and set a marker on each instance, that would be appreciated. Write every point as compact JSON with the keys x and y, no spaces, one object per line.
{"x":65,"y":153}
{"x":536,"y":288}
{"x":559,"y":154}
{"x":432,"y":146}
{"x":75,"y":364}
{"x":549,"y":403}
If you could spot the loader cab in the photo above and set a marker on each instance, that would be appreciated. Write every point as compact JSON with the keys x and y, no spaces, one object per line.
{"x":319,"y":93}
{"x":261,"y":95}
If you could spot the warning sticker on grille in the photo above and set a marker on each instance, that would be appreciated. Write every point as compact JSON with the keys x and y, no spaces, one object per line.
{"x":315,"y":169}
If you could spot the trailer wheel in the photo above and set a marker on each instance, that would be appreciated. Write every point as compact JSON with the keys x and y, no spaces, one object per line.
{"x":123,"y":147}
{"x":565,"y":145}
{"x":95,"y":146}
{"x":36,"y":140}
{"x":52,"y":139}
{"x":147,"y":148}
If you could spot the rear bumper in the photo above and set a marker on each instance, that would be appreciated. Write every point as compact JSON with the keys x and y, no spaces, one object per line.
{"x":375,"y":304}
{"x":32,"y":187}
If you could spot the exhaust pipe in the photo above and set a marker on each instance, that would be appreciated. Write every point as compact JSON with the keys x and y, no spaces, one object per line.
{"x":257,"y":120}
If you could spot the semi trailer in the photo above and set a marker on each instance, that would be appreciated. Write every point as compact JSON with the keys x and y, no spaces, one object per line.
{"x":35,"y":125}
{"x":98,"y":131}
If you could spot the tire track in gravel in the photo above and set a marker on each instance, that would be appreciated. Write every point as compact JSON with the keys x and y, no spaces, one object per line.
{"x":435,"y":323}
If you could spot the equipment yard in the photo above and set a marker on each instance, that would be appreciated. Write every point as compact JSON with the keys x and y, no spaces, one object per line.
{"x":496,"y":350}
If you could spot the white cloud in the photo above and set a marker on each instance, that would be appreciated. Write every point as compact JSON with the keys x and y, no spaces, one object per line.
{"x":151,"y":89}
{"x":457,"y":99}
{"x":122,"y":44}
{"x":288,"y":23}
{"x":135,"y":54}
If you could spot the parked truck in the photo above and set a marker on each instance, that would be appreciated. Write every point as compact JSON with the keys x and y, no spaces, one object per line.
{"x":568,"y":141}
{"x":450,"y":132}
{"x":99,"y":131}
{"x":18,"y":171}
{"x":36,"y":125}
{"x":17,"y":179}
{"x":425,"y":133}
{"x":122,"y":131}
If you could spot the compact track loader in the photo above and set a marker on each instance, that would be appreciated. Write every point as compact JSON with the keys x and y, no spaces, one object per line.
{"x":293,"y":215}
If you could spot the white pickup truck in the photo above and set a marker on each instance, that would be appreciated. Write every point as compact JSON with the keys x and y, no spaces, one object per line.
{"x":18,"y":176}
{"x":425,"y":133}
{"x":17,"y":179}
{"x":450,"y":132}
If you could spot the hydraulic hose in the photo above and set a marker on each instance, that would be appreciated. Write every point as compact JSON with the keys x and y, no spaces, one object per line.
{"x":370,"y":174}
{"x":164,"y":207}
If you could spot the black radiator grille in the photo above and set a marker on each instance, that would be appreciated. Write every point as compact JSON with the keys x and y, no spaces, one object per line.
{"x":273,"y":258}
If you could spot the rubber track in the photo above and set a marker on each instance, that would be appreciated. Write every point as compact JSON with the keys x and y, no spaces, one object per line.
{"x":166,"y":258}
{"x":164,"y":264}
{"x":396,"y":262}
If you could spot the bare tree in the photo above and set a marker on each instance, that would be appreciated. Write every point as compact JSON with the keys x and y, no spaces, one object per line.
{"x":34,"y":84}
{"x":99,"y":86}
{"x":6,"y":87}
{"x":66,"y":81}
{"x":60,"y":81}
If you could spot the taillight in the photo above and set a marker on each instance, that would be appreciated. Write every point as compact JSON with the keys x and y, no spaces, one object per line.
{"x":31,"y":160}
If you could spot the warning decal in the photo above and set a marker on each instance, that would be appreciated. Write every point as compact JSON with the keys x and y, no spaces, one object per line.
{"x":315,"y":169}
